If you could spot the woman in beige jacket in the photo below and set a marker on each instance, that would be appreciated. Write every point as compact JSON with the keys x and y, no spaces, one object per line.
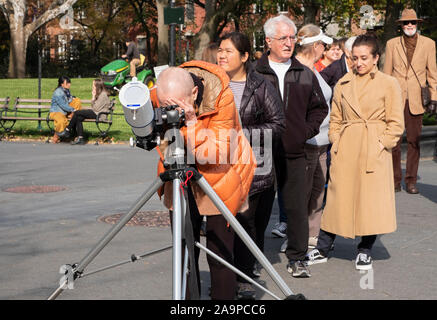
{"x":100,"y":103}
{"x":366,"y":123}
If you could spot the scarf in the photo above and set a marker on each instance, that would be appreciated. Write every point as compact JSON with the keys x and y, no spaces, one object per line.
{"x":410,"y":45}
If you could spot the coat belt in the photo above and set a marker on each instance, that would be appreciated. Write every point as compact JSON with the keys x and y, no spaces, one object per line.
{"x":371,"y":135}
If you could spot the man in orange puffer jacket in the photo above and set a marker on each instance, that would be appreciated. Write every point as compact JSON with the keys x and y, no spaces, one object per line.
{"x":219,"y":150}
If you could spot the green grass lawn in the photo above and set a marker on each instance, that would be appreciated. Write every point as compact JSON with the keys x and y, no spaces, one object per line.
{"x":81,"y":88}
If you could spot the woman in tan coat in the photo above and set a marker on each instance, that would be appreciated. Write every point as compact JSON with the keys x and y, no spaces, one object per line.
{"x":366,"y":123}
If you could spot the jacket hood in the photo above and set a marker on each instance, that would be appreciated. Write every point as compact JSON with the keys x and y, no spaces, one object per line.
{"x":214,"y":79}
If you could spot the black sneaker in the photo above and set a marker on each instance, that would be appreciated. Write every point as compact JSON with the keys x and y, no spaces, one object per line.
{"x":363,"y":262}
{"x":298,"y":269}
{"x":245,"y":291}
{"x":64,"y":134}
{"x":79,"y":141}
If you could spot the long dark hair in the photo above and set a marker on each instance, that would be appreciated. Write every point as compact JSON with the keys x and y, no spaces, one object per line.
{"x":100,"y":87}
{"x":242,"y":43}
{"x":61,"y":80}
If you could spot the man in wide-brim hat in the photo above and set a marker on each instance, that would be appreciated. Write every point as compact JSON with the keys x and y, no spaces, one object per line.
{"x":409,"y":15}
{"x":411,"y":59}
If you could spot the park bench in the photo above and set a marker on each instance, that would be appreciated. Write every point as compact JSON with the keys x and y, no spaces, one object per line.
{"x":39,"y":110}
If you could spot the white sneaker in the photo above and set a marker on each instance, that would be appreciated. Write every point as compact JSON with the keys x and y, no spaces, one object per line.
{"x":280,"y":229}
{"x":284,"y":246}
{"x":363,"y":262}
{"x":314,"y":257}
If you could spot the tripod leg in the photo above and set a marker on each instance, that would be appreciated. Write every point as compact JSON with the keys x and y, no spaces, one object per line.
{"x":209,"y":191}
{"x":112,"y":232}
{"x":185,"y":274}
{"x":177,"y":240}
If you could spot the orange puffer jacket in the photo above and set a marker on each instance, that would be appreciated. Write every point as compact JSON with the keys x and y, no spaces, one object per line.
{"x":227,"y":164}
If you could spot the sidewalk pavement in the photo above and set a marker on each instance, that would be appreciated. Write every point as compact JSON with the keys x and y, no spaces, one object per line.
{"x":39,"y":232}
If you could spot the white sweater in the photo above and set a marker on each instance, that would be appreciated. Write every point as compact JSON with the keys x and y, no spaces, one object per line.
{"x":322,"y":138}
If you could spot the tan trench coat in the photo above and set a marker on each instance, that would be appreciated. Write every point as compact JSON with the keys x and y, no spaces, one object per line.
{"x":360,"y":196}
{"x":423,"y":63}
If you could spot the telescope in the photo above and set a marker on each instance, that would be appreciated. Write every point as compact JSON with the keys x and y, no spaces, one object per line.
{"x":149,"y":125}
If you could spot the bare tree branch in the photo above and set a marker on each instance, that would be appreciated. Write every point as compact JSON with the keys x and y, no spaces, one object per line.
{"x":57,"y":9}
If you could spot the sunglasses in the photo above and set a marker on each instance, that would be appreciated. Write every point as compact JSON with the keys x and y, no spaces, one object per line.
{"x":406,"y":23}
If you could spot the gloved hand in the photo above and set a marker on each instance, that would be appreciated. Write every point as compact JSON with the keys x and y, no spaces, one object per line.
{"x":432,"y":107}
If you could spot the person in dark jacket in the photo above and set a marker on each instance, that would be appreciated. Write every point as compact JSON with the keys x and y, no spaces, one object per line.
{"x":262,"y":118}
{"x":305,"y":110}
{"x":336,"y":70}
{"x":133,"y":55}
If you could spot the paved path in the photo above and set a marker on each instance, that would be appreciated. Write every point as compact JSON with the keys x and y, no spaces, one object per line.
{"x":39,"y":232}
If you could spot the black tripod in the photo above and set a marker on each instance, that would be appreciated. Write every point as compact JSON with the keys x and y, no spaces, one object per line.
{"x":176,"y":174}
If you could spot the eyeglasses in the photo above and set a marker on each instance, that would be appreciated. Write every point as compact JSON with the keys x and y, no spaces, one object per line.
{"x":284,"y":39}
{"x":406,"y":23}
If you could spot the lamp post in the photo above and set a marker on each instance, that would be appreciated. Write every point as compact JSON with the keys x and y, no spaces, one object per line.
{"x":39,"y":67}
{"x":172,"y":38}
{"x":188,"y":36}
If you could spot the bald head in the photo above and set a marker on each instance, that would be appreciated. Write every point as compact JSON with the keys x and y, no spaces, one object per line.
{"x":175,"y":82}
{"x":176,"y":87}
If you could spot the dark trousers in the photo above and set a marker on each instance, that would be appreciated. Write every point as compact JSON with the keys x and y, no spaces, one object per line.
{"x":78,"y":117}
{"x":326,"y":239}
{"x":413,"y":127}
{"x":295,"y":205}
{"x":316,"y":157}
{"x":254,"y":220}
{"x":220,"y":240}
{"x":282,"y":214}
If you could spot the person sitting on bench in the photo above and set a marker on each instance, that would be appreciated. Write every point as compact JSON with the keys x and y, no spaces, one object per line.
{"x":63,"y":103}
{"x":100,"y":103}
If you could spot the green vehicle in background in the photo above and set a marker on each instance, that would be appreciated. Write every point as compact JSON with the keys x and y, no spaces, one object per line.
{"x":117,"y":73}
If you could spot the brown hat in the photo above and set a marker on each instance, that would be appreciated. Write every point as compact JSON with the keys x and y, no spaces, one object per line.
{"x":408,"y":15}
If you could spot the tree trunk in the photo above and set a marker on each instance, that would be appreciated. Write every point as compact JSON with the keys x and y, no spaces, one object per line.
{"x":392,"y":12}
{"x":163,"y":54}
{"x":148,"y":48}
{"x":207,"y":31}
{"x":311,"y":10}
{"x":203,"y":39}
{"x":18,"y":43}
{"x":11,"y":62}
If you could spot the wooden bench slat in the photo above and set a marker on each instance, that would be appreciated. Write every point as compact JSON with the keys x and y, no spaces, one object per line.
{"x":23,"y":118}
{"x":30,"y":106}
{"x":34,"y":100}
